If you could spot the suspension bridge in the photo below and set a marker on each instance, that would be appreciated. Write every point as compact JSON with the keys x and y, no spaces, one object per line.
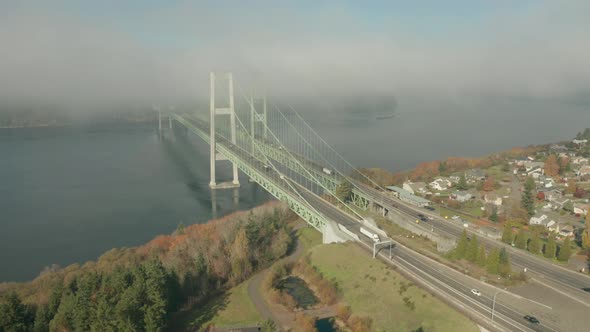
{"x":276,"y":148}
{"x":280,"y":151}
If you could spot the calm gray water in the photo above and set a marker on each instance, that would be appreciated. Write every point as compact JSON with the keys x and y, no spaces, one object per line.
{"x":69,"y":194}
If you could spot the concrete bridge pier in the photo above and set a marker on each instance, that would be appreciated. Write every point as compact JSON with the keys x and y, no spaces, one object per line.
{"x":217,"y":111}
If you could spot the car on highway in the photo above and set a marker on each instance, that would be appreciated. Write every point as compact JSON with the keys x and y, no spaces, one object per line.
{"x":429,"y":208}
{"x":531,"y":319}
{"x":423,"y":218}
{"x":476,"y":292}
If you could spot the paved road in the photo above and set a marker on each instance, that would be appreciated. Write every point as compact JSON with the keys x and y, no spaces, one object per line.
{"x":571,"y":283}
{"x":441,"y":278}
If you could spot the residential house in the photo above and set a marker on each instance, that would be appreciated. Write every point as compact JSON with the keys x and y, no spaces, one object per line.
{"x":545,"y":182}
{"x":529,"y":165}
{"x":492,"y":198}
{"x":555,"y":227}
{"x":584,"y":170}
{"x":406,"y":196}
{"x":415,"y":187}
{"x":557,"y":148}
{"x":461,"y":196}
{"x":455,"y":179}
{"x":581,"y":209}
{"x":560,"y":202}
{"x":579,"y":160}
{"x":580,"y":141}
{"x":551,"y":195}
{"x":474,"y":175}
{"x":535,"y":172}
{"x":566,"y":230}
{"x":543,"y":220}
{"x":440,"y":184}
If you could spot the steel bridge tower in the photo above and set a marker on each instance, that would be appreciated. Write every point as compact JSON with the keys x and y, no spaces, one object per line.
{"x":222,"y":111}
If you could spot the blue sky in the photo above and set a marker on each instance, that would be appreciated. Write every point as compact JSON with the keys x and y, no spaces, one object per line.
{"x":449,"y":49}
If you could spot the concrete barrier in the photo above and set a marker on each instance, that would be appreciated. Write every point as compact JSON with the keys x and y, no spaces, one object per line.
{"x":349,"y":233}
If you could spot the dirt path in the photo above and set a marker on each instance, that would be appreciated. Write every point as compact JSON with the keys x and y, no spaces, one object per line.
{"x":281,"y":317}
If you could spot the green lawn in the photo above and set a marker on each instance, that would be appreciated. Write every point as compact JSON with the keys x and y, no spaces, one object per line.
{"x":444,"y":212}
{"x":239,"y":309}
{"x":309,"y":237}
{"x":372,"y":288}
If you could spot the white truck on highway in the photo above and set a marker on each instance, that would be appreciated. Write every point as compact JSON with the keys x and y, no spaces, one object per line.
{"x":370,"y":235}
{"x":327,"y":171}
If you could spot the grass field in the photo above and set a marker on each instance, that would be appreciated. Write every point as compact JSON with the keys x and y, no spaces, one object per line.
{"x":239,"y":309}
{"x":309,"y":237}
{"x":372,"y":288}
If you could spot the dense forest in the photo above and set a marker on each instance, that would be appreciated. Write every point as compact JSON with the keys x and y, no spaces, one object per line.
{"x":143,"y":288}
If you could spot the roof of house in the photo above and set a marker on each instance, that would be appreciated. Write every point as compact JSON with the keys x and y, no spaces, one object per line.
{"x":461,"y":193}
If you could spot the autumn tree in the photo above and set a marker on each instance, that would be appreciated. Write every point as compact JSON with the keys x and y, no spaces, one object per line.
{"x":579,"y":192}
{"x":565,"y":251}
{"x":489,"y":184}
{"x":571,"y":186}
{"x":564,"y":165}
{"x":550,"y":248}
{"x":551,"y":166}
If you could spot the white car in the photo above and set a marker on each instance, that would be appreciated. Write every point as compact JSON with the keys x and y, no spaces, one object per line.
{"x":455,"y":217}
{"x":476,"y":292}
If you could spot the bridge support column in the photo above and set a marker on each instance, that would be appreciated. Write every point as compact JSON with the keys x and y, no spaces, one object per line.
{"x":214,"y":111}
{"x":160,"y":123}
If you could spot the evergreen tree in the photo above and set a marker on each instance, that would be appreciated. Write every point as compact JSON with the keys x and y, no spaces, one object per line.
{"x":494,"y":216}
{"x":472,"y":250}
{"x":507,"y":233}
{"x":504,"y":267}
{"x":493,"y":262}
{"x":269,"y":326}
{"x":344,"y":191}
{"x":461,"y":249}
{"x":586,"y":232}
{"x":521,"y":239}
{"x":155,"y":308}
{"x":535,"y":243}
{"x":442,"y":167}
{"x":528,"y":201}
{"x":550,"y":248}
{"x":481,"y":256}
{"x":565,"y":251}
{"x":41,"y":319}
{"x":462,"y":184}
{"x":14,"y":316}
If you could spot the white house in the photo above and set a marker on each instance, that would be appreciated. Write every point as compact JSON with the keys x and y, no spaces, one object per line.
{"x":584,"y":170}
{"x":543,"y":220}
{"x":474,"y":175}
{"x":551,"y":195}
{"x":579,"y":160}
{"x":566,"y":230}
{"x":493,"y":199}
{"x":529,"y":165}
{"x":415,"y":187}
{"x":580,"y":141}
{"x":455,"y":178}
{"x":581,"y":209}
{"x":440,"y":184}
{"x":535,"y":172}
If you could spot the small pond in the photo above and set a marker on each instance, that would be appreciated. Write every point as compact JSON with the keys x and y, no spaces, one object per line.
{"x":298,"y":289}
{"x":325,"y":325}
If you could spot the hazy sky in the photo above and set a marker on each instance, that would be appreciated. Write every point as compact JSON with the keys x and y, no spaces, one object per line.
{"x":153,"y":51}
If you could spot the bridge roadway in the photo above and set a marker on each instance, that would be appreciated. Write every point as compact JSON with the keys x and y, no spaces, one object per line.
{"x":442,"y":278}
{"x":573,"y":283}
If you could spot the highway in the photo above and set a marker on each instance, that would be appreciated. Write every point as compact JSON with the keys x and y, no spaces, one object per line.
{"x":573,"y":282}
{"x":447,"y":283}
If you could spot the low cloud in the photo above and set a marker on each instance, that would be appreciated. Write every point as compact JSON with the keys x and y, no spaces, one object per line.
{"x":61,"y":57}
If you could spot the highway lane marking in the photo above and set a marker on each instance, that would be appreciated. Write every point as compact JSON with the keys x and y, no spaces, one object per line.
{"x":559,"y":291}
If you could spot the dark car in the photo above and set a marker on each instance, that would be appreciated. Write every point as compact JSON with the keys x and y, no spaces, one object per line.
{"x":428,"y":207}
{"x":420,"y":215}
{"x":423,"y":218}
{"x":531,"y":319}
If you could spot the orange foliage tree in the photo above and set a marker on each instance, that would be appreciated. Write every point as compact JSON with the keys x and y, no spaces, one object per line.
{"x":551,"y":166}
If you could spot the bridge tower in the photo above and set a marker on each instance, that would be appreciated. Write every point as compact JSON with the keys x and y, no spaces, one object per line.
{"x":219,"y":111}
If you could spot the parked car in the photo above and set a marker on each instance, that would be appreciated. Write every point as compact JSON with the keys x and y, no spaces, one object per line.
{"x":531,"y":319}
{"x":455,"y":217}
{"x":476,"y":292}
{"x":429,"y":208}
